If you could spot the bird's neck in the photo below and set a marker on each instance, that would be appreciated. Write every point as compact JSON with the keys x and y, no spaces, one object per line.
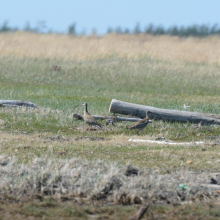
{"x":86,"y":110}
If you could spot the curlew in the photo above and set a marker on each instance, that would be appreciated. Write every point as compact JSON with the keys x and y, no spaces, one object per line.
{"x":89,"y":119}
{"x":140,"y":125}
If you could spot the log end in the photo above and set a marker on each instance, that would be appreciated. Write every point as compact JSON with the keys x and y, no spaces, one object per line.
{"x":78,"y":117}
{"x":110,"y":107}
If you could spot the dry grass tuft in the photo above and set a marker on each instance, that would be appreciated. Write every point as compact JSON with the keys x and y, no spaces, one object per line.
{"x":77,"y":179}
{"x":66,"y":47}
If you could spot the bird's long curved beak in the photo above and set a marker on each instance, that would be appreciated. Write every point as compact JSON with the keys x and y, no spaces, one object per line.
{"x":76,"y":106}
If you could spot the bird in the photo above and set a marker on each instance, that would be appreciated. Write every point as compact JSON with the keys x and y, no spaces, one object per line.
{"x":140,"y":125}
{"x":89,"y":119}
{"x":186,"y":106}
{"x":56,"y":68}
{"x":109,"y":120}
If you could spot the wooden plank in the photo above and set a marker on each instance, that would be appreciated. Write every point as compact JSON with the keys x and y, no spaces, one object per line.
{"x":126,"y":108}
{"x":167,"y":142}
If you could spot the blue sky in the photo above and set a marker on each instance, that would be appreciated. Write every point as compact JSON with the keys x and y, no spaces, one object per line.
{"x":101,"y":14}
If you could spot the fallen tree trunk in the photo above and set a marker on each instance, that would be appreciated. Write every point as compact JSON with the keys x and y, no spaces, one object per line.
{"x":114,"y":118}
{"x":16,"y":103}
{"x":127,"y":108}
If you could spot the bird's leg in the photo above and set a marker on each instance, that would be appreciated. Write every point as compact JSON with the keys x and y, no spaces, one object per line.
{"x":88,"y":128}
{"x":141,"y":129}
{"x":138,"y":132}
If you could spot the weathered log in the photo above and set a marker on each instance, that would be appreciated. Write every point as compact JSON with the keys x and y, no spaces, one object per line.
{"x":78,"y":117}
{"x":114,"y":118}
{"x":16,"y":103}
{"x":127,"y":108}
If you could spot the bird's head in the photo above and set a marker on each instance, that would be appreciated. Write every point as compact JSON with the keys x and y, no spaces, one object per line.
{"x":148,"y":112}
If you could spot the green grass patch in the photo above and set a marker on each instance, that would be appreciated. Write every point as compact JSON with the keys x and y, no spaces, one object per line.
{"x":153,"y":82}
{"x":60,"y":210}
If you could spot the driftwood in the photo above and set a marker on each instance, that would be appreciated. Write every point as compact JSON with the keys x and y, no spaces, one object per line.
{"x":127,"y":108}
{"x":16,"y":103}
{"x":167,"y":142}
{"x":114,"y":118}
{"x":211,"y":186}
{"x":140,"y":212}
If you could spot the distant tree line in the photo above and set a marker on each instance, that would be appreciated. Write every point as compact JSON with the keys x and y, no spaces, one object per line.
{"x":202,"y":30}
{"x":40,"y":27}
{"x":6,"y":28}
{"x":196,"y":30}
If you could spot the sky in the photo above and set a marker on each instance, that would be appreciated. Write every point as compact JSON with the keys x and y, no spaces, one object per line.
{"x":58,"y":15}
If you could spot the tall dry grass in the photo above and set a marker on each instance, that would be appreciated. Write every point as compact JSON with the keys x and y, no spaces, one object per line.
{"x":21,"y":44}
{"x":108,"y":182}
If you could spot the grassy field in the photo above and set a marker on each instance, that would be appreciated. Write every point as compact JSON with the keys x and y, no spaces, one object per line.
{"x":165,"y":72}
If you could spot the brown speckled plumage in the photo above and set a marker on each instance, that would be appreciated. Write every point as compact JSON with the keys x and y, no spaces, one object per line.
{"x":89,"y":119}
{"x":140,"y":125}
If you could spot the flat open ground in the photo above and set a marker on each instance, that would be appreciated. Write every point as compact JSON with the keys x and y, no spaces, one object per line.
{"x":52,"y":167}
